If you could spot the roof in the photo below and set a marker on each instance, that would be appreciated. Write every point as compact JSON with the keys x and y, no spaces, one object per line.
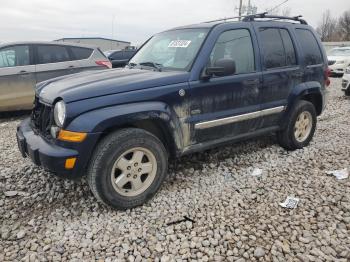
{"x":45,"y":43}
{"x":92,"y":38}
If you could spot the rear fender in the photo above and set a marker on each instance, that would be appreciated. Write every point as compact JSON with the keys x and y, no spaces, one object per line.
{"x":300,"y":91}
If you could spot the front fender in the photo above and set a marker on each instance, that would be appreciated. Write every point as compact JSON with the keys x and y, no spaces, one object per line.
{"x":98,"y":121}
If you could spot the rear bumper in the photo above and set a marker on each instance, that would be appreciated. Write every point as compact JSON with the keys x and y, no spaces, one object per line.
{"x":49,"y":155}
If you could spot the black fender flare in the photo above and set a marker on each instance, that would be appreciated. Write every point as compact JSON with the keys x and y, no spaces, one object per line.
{"x":100,"y":120}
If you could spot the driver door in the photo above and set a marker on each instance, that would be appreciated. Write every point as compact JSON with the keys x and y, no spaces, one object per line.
{"x":224,"y":107}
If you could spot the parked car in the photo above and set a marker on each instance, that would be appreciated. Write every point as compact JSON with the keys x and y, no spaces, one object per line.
{"x":120,"y":58}
{"x":339,"y":60}
{"x":186,"y":90}
{"x":22,"y":65}
{"x":346,"y":82}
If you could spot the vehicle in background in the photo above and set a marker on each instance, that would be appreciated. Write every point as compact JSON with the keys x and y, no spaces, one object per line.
{"x":346,"y":82}
{"x":23,"y":65}
{"x":339,"y":60}
{"x":120,"y":58}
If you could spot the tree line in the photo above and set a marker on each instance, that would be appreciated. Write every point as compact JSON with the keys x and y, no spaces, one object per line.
{"x":333,"y":29}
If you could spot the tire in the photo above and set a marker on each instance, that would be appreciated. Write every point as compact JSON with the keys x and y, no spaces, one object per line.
{"x":347,"y":92}
{"x":288,"y":138}
{"x":113,"y":152}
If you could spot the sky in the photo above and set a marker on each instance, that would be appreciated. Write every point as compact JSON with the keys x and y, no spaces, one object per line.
{"x":131,"y":20}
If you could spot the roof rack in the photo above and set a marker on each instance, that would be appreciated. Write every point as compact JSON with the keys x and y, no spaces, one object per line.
{"x":250,"y":18}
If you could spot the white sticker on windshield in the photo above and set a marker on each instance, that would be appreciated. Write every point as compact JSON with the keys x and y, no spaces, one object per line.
{"x":179,"y":43}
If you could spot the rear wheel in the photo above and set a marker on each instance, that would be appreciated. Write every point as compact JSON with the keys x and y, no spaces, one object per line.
{"x":127,"y":168}
{"x":301,"y":126}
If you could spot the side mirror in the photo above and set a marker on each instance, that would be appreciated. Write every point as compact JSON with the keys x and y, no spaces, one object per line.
{"x":222,"y":67}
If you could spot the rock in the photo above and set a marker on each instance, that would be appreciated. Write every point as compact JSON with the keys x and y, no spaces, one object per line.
{"x":259,"y":252}
{"x":10,"y":193}
{"x":21,"y":234}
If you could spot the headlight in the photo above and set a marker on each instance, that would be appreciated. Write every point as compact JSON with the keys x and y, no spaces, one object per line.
{"x":347,"y":71}
{"x":60,"y":113}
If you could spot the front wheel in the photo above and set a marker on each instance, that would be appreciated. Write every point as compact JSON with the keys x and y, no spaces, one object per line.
{"x":301,"y":126}
{"x":127,"y":168}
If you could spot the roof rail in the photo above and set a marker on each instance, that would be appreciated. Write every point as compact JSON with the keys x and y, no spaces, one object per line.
{"x":224,"y":19}
{"x":250,"y":18}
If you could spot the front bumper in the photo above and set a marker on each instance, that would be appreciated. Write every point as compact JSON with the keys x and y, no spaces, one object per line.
{"x":50,"y":156}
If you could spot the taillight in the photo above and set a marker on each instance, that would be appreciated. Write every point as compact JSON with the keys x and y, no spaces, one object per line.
{"x":104,"y":63}
{"x":327,"y":74}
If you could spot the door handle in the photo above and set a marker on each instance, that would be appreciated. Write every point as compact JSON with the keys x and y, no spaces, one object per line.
{"x":23,"y":72}
{"x":251,"y":82}
{"x":70,"y":67}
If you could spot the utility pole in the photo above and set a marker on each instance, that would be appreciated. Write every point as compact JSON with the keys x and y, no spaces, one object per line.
{"x":240,"y":10}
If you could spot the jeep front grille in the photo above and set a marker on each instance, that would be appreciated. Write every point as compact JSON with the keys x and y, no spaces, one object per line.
{"x":42,"y":117}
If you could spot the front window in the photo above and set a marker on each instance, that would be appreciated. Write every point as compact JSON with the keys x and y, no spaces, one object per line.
{"x":340,"y":52}
{"x":172,"y":50}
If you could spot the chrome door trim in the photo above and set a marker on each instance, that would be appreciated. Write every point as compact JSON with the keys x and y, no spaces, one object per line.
{"x":239,"y":118}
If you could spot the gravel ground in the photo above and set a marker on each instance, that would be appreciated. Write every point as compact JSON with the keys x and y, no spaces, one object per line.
{"x":236,"y":217}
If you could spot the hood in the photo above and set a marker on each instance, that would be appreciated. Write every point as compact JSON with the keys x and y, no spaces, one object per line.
{"x":338,"y":58}
{"x":105,"y":82}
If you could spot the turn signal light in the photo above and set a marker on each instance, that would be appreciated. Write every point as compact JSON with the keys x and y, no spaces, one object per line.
{"x":70,"y":136}
{"x":70,"y":163}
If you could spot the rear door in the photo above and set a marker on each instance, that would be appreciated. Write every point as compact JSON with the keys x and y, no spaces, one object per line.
{"x":17,"y":78}
{"x":52,"y":61}
{"x":281,"y":71}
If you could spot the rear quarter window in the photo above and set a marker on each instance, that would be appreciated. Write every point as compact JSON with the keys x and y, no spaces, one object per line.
{"x":309,"y":47}
{"x":80,"y":53}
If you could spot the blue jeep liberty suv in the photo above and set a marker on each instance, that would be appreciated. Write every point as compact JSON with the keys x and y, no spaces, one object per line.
{"x":185,"y":90}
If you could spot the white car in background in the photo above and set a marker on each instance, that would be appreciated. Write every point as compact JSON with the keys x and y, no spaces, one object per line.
{"x":339,"y":60}
{"x":346,"y":82}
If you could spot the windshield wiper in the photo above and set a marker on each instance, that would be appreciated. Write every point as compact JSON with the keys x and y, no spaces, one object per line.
{"x":152,"y":64}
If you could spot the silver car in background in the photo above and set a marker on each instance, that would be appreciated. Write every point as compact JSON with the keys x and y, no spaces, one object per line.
{"x":22,"y":65}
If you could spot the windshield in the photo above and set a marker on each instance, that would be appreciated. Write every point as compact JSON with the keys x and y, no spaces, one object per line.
{"x":340,"y":52}
{"x":172,"y":50}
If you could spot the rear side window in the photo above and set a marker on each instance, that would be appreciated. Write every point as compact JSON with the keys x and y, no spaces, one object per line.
{"x":52,"y":54}
{"x":14,"y":56}
{"x":117,"y":56}
{"x":278,"y":48}
{"x":237,"y":45}
{"x":309,"y":46}
{"x":80,"y":53}
{"x":128,"y":54}
{"x":288,"y":47}
{"x":273,"y":50}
